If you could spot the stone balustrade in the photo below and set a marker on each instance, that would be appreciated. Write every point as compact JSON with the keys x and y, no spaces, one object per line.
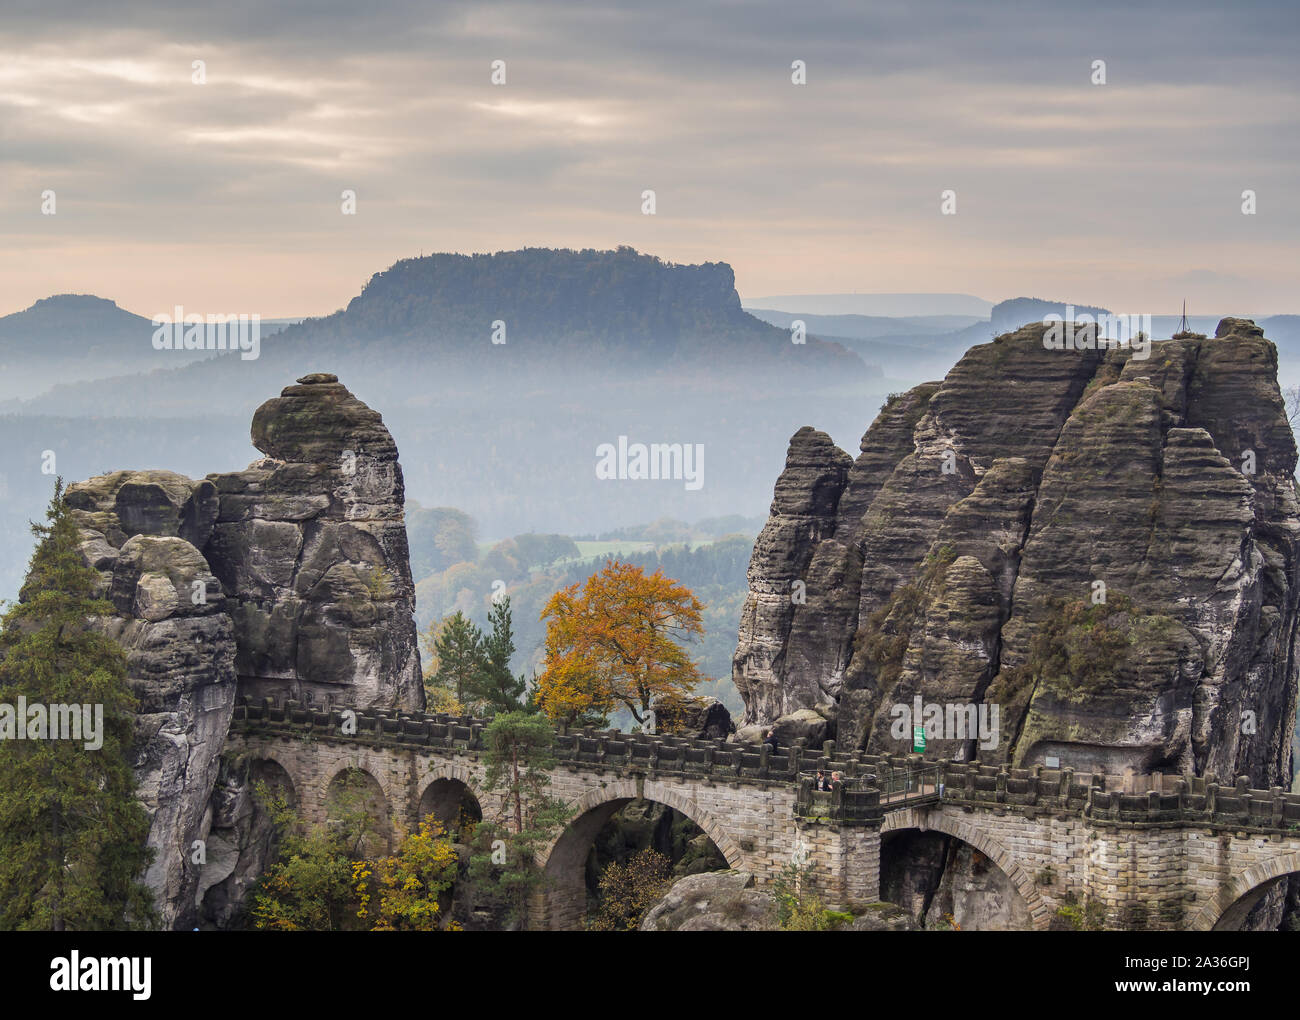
{"x":1037,"y":789}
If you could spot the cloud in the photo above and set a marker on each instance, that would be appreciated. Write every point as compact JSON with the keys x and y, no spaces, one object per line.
{"x":833,"y":185}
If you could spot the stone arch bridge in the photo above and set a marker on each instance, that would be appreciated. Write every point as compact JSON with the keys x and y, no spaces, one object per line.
{"x":1158,"y":852}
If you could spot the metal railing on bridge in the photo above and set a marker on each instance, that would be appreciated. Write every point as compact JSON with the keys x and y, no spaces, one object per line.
{"x":910,"y":785}
{"x":866,"y":797}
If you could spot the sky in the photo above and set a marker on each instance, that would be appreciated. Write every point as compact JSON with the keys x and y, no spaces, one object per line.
{"x":226,"y":195}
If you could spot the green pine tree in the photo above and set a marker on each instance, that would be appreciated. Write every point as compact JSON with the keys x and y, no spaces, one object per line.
{"x":493,"y":686}
{"x":518,"y":755}
{"x":459,"y":649}
{"x":72,"y":833}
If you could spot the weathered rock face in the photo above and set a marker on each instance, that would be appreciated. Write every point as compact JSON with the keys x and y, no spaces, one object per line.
{"x":715,"y":901}
{"x":180,"y":651}
{"x":290,"y":578}
{"x":884,"y":917}
{"x":804,"y":726}
{"x":803,"y":516}
{"x":963,"y":560}
{"x":728,"y":901}
{"x":241,"y":841}
{"x":941,"y":882}
{"x":310,"y":545}
{"x":703,"y":717}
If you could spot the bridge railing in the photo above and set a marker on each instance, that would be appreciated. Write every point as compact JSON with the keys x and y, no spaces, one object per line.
{"x":872,"y":783}
{"x":890,"y":785}
{"x":1201,"y":799}
{"x":579,"y":745}
{"x":582,"y":747}
{"x":848,"y":800}
{"x":910,"y":783}
{"x":1102,"y":798}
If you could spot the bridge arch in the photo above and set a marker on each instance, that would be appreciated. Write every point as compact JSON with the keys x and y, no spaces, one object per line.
{"x":925,"y":820}
{"x":355,"y":785}
{"x":449,"y":794}
{"x":1235,"y":899}
{"x":270,"y":770}
{"x":563,"y":860}
{"x":665,"y":794}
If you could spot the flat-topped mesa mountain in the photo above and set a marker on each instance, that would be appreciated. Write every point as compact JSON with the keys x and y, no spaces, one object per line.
{"x":290,"y":578}
{"x":528,"y":319}
{"x":595,"y":309}
{"x":1104,"y":547}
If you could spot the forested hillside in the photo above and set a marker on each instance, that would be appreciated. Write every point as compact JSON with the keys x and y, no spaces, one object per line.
{"x":531,"y":567}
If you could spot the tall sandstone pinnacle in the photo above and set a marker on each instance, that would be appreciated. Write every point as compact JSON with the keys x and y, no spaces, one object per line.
{"x":986,"y":511}
{"x":288,"y":579}
{"x":310,"y":546}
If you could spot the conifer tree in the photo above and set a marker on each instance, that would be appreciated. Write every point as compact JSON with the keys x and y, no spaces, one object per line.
{"x":459,"y":651}
{"x":493,"y":686}
{"x":519,"y":754}
{"x":72,"y":833}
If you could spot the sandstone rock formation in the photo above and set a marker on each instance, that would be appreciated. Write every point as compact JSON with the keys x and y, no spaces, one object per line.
{"x":310,"y":544}
{"x":884,"y":917}
{"x":142,"y":531}
{"x":715,"y":901}
{"x":288,"y":578}
{"x":964,"y":557}
{"x":729,"y":901}
{"x":803,"y":516}
{"x":703,"y":717}
{"x":241,"y":840}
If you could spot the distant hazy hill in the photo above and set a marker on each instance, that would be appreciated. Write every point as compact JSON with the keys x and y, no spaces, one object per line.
{"x":1283,"y":330}
{"x":889,"y":305}
{"x":574,"y":306}
{"x":427,"y":326}
{"x":1016,"y":312}
{"x":73,"y":337}
{"x":910,"y":348}
{"x":867,"y":327}
{"x":89,"y":324}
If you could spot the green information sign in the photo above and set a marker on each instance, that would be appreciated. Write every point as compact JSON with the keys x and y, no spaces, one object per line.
{"x":918,"y":738}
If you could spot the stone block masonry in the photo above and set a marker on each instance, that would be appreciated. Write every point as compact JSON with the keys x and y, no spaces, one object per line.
{"x":1195,"y":856}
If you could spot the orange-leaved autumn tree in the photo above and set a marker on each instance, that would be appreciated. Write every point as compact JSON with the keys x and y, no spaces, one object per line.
{"x":615,"y":641}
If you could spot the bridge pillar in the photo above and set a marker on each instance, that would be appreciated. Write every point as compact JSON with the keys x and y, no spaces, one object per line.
{"x":562,"y":906}
{"x":1141,"y":873}
{"x":845,"y":859}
